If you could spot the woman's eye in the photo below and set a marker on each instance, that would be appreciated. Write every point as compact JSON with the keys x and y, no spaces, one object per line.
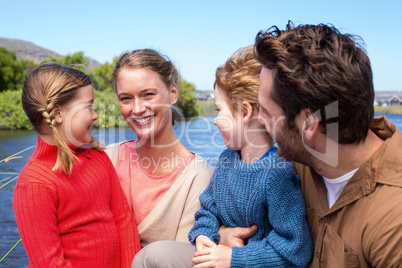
{"x":124,"y":98}
{"x":149,"y":94}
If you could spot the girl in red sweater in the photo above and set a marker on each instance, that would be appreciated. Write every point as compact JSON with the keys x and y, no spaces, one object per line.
{"x":69,"y":205}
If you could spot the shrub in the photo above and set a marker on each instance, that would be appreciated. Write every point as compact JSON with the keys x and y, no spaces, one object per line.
{"x":107,"y":107}
{"x":12,"y":116}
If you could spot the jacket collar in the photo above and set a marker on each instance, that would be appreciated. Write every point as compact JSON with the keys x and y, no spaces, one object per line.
{"x":386,"y":163}
{"x":383,"y":167}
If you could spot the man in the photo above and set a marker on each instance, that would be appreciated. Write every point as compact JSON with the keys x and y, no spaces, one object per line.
{"x":316,"y":100}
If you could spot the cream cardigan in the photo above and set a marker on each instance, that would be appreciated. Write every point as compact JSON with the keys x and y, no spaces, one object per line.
{"x":173,"y":217}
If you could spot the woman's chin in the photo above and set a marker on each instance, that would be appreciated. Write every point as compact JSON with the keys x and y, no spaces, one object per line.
{"x":141,"y":134}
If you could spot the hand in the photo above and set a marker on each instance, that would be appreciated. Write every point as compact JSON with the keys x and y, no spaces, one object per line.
{"x":203,"y":241}
{"x":236,"y":236}
{"x":218,"y":256}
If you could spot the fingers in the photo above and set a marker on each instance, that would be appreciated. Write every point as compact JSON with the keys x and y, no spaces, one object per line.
{"x":204,"y":265}
{"x":235,"y":243}
{"x":203,"y":241}
{"x":200,"y":241}
{"x":203,"y":257}
{"x":209,"y":243}
{"x":245,"y":233}
{"x":202,"y":252}
{"x":219,"y":256}
{"x":199,"y":246}
{"x":253,"y":229}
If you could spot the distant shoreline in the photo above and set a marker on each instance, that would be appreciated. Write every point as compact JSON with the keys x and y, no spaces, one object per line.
{"x":388,"y":109}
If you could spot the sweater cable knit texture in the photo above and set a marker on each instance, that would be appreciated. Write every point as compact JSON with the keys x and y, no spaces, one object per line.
{"x":266,"y":193}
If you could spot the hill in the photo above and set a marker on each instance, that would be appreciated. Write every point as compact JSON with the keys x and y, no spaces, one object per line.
{"x":29,"y":51}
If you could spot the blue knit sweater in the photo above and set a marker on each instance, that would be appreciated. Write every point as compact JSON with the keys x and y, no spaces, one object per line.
{"x":266,"y":193}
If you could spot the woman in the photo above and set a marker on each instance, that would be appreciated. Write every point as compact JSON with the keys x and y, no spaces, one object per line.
{"x":161,"y":178}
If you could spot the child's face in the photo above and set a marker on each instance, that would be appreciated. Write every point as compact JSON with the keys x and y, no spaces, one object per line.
{"x":231,"y":127}
{"x":77,"y":117}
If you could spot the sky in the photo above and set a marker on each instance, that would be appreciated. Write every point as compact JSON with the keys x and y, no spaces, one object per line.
{"x":198,"y":36}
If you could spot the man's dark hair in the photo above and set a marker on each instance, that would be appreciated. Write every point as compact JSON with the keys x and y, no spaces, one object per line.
{"x":316,"y":66}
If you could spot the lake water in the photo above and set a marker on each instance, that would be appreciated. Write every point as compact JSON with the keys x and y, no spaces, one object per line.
{"x":199,"y":135}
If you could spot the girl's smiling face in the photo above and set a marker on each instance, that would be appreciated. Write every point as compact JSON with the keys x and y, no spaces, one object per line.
{"x":231,"y":126}
{"x":145,"y":101}
{"x":75,"y":119}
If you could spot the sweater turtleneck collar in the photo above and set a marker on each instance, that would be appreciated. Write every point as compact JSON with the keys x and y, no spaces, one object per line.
{"x":45,"y":152}
{"x":265,"y":160}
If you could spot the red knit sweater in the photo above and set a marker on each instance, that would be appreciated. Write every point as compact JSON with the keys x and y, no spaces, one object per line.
{"x":77,"y":220}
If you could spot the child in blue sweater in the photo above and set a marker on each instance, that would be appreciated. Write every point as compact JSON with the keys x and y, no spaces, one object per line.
{"x":250,"y":186}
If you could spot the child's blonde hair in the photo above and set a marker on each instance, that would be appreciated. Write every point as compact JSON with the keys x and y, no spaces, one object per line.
{"x":44,"y":88}
{"x":239,"y":79}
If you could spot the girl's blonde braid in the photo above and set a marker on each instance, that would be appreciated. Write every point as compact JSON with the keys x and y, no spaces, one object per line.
{"x":65,"y":157}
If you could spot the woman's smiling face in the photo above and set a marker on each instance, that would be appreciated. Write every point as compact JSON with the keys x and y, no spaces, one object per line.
{"x":145,"y":101}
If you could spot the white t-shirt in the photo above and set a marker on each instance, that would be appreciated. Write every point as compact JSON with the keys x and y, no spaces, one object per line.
{"x":335,"y":186}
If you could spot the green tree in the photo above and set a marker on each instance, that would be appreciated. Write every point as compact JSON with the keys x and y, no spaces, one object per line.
{"x":12,"y":70}
{"x":103,"y":76}
{"x":186,"y":102}
{"x":12,"y":116}
{"x":77,"y":61}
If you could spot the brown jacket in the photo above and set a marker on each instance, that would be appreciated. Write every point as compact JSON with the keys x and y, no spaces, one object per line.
{"x":364,"y":226}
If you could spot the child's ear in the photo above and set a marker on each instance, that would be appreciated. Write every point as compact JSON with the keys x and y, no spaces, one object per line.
{"x":58,"y":116}
{"x":174,"y":94}
{"x":311,"y":124}
{"x":247,"y":111}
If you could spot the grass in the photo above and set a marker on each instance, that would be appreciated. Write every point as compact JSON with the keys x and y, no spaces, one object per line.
{"x":388,"y":109}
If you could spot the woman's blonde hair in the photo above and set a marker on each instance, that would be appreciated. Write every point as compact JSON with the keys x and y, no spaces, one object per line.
{"x":239,"y":79}
{"x":44,"y":88}
{"x":152,"y":60}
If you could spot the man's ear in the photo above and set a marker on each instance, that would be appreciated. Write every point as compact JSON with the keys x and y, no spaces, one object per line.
{"x":246,"y":111}
{"x":311,"y":124}
{"x":58,"y":114}
{"x":174,"y":94}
